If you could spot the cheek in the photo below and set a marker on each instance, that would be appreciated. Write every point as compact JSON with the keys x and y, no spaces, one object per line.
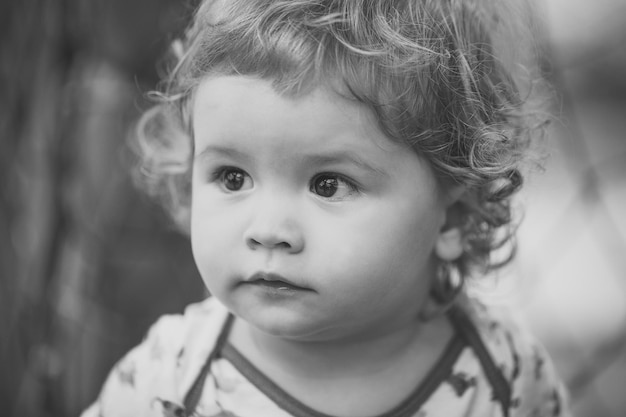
{"x":396,"y":262}
{"x":211,"y":219}
{"x":210,"y":236}
{"x":400,"y":237}
{"x":211,"y":257}
{"x":378,"y":255}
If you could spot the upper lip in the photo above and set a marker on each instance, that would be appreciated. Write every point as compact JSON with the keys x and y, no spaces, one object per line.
{"x":272,"y":277}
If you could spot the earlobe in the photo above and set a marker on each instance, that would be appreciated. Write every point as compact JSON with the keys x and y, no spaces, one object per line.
{"x":449,"y":245}
{"x":448,"y":282}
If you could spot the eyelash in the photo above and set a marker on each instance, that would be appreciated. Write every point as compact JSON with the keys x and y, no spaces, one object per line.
{"x":336,"y":179}
{"x":219,"y":176}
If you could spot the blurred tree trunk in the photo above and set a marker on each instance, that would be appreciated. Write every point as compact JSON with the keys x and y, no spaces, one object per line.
{"x":34,"y":68}
{"x":85,"y":267}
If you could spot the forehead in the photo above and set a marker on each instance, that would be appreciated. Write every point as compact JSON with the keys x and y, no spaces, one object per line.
{"x":247,"y":104}
{"x":232,"y":84}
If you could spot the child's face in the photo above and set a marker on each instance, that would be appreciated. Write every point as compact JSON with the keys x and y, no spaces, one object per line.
{"x":307,"y":221}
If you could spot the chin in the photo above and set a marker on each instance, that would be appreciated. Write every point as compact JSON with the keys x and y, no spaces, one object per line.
{"x":285,"y":327}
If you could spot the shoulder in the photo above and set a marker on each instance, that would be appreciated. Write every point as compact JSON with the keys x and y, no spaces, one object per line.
{"x":535,"y":387}
{"x":158,"y":372}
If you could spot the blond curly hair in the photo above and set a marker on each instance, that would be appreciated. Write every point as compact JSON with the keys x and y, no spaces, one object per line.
{"x":427,"y":69}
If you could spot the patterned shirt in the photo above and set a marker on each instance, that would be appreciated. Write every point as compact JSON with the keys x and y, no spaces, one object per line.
{"x":186,"y":367}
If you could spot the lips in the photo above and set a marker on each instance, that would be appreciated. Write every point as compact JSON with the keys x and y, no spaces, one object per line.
{"x":275,"y":281}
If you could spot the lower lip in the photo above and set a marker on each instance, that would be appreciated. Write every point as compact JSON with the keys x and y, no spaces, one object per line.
{"x":277,"y":289}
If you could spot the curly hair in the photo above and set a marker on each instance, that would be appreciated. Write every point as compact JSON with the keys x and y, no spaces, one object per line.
{"x":427,"y":69}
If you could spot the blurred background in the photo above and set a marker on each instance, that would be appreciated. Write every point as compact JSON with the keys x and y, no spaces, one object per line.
{"x":87,"y":263}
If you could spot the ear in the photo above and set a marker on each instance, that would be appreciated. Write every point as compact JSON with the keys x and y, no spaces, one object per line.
{"x":449,"y":244}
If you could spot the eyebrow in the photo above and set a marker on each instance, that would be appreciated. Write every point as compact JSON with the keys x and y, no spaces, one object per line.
{"x":330,"y":158}
{"x":220,"y":151}
{"x":341,"y":157}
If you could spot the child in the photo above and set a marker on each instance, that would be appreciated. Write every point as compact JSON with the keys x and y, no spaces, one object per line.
{"x":342,"y":167}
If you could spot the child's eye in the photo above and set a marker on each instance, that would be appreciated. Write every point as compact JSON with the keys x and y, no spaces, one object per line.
{"x":233,"y":179}
{"x":333,"y":186}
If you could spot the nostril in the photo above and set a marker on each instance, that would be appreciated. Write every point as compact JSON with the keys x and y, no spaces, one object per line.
{"x":253,"y":243}
{"x":273,"y":236}
{"x":268,"y":243}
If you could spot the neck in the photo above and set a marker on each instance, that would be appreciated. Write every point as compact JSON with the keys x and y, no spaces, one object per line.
{"x":341,"y":358}
{"x":348,"y":377}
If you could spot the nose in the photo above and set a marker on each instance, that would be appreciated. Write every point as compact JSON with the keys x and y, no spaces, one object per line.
{"x":274,"y":226}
